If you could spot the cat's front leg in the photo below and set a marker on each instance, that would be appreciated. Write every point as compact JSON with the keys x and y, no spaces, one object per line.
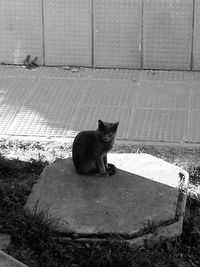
{"x":101,"y":166}
{"x":110,"y":168}
{"x":105,"y":161}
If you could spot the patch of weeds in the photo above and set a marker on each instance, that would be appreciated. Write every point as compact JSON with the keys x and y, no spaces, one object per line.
{"x":165,"y":253}
{"x":194,"y":174}
{"x":37,"y":166}
{"x":190,"y":238}
{"x":15,"y":168}
{"x":102,"y":254}
{"x":31,"y":233}
{"x":16,"y":180}
{"x":149,"y":226}
{"x":32,"y":228}
{"x":13,"y":197}
{"x":8,"y":168}
{"x":191,"y":226}
{"x":34,"y":243}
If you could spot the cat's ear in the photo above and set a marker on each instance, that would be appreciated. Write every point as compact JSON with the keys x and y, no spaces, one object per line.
{"x":101,"y":124}
{"x":115,"y":126}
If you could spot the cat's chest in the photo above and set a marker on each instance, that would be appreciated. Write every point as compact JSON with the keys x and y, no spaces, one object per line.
{"x":105,"y":148}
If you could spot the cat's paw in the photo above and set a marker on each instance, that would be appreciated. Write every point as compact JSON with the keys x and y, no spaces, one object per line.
{"x":111,"y":169}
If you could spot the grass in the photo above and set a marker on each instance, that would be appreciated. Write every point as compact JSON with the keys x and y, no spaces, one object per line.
{"x":35,"y":244}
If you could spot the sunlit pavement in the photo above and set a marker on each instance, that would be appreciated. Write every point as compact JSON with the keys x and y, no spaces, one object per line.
{"x":157,"y":106}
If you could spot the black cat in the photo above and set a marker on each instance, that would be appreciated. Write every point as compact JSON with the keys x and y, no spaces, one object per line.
{"x":90,"y":148}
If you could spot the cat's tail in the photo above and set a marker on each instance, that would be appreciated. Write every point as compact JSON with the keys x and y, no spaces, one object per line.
{"x":111,"y":169}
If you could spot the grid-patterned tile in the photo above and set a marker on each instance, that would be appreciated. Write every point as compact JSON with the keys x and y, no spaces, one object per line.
{"x":16,"y":71}
{"x":86,"y":118}
{"x":158,"y":125}
{"x":12,"y":94}
{"x":105,"y":92}
{"x":14,"y":90}
{"x":7,"y":112}
{"x":196,"y":45}
{"x":48,"y":108}
{"x":158,"y":75}
{"x":68,"y":32}
{"x":21,"y":30}
{"x":43,"y":120}
{"x":115,"y":74}
{"x":163,"y":95}
{"x":55,"y":92}
{"x":195,"y":96}
{"x":195,"y":126}
{"x":167,"y":34}
{"x":117,"y":33}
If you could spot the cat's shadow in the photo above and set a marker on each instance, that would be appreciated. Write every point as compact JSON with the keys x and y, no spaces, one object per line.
{"x":119,"y":190}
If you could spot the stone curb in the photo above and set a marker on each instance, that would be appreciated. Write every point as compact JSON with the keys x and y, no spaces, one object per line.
{"x":8,"y":261}
{"x":149,"y":239}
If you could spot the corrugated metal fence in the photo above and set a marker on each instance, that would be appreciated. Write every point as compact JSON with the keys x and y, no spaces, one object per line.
{"x":141,"y":34}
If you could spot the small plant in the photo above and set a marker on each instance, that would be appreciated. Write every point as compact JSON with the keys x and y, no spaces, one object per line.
{"x":32,"y":233}
{"x":30,"y":64}
{"x":32,"y":228}
{"x":150,"y":226}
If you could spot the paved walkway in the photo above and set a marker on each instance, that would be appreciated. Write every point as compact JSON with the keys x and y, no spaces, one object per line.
{"x":160,"y":106}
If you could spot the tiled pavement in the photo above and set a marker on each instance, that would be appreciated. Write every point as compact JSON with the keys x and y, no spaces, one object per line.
{"x":158,"y":106}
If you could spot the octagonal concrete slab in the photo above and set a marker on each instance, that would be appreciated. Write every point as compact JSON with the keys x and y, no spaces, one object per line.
{"x":144,"y":190}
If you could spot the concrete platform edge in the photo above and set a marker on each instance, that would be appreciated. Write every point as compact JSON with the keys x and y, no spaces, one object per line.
{"x":148,"y":240}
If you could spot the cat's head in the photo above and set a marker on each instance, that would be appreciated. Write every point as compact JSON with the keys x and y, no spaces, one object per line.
{"x":107,"y":131}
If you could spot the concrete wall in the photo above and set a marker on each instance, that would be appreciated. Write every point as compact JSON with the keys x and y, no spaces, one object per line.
{"x":141,"y":34}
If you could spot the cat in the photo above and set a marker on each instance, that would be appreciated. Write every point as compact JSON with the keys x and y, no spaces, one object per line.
{"x":90,"y":148}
